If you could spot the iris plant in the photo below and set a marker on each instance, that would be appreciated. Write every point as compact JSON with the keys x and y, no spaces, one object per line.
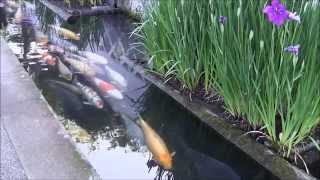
{"x":278,"y":14}
{"x":294,"y":49}
{"x":223,"y":20}
{"x":247,"y":62}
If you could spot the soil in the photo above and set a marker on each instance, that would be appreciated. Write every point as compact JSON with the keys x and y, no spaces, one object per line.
{"x":211,"y":98}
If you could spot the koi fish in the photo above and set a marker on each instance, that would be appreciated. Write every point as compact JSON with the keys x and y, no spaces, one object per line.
{"x":74,"y":89}
{"x":95,"y":58}
{"x":33,"y":57}
{"x":36,"y":49}
{"x":96,"y":68}
{"x":82,"y":67}
{"x":116,"y":77}
{"x":50,"y":60}
{"x":156,"y":145}
{"x":107,"y":88}
{"x":64,"y":70}
{"x":55,"y":49}
{"x":66,"y":33}
{"x":91,"y":95}
{"x":63,"y":44}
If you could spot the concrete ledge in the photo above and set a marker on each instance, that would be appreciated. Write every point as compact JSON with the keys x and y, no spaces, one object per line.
{"x":72,"y":15}
{"x":11,"y":167}
{"x":66,"y":16}
{"x":41,"y":143}
{"x":266,"y":158}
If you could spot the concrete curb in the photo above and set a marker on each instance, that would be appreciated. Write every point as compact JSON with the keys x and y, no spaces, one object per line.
{"x":42,"y":144}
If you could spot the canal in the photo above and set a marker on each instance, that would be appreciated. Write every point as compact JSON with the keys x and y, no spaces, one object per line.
{"x":109,"y":137}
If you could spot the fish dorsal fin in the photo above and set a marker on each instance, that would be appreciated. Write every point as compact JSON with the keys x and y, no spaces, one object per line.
{"x":139,"y":120}
{"x":75,"y":79}
{"x":173,"y":153}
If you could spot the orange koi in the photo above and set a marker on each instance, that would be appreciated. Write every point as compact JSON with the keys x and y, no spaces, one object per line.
{"x":66,"y":33}
{"x":156,"y":145}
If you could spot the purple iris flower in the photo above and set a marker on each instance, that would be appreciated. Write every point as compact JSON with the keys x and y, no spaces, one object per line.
{"x":276,"y":12}
{"x":294,"y":49}
{"x":223,"y":20}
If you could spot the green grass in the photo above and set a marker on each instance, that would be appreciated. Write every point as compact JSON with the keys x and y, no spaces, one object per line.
{"x":243,"y":60}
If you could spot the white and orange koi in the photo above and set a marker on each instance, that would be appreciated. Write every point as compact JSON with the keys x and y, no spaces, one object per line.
{"x":94,"y":66}
{"x":91,"y":95}
{"x":66,"y":33}
{"x":107,"y":88}
{"x":156,"y":145}
{"x":116,"y":77}
{"x":82,"y":67}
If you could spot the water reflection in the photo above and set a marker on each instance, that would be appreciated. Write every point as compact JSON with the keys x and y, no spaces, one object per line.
{"x":104,"y":140}
{"x":110,"y":144}
{"x":99,"y":34}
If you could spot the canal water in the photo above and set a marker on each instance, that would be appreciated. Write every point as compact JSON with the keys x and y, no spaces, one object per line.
{"x":109,"y":138}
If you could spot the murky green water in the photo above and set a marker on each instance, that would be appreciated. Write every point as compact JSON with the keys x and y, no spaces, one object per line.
{"x":114,"y":144}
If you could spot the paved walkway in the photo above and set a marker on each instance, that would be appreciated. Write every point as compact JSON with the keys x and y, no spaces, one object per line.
{"x":11,"y":167}
{"x":33,"y":142}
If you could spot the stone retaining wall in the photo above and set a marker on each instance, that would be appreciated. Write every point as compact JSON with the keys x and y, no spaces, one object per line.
{"x":134,"y":6}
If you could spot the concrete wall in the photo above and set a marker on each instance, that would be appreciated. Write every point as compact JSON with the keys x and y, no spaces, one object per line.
{"x":133,"y":6}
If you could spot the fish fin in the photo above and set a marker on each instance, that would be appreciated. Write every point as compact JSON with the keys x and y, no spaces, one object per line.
{"x":153,"y":158}
{"x":87,"y":103}
{"x":75,"y":78}
{"x":173,"y":153}
{"x":77,"y":73}
{"x":138,"y":120}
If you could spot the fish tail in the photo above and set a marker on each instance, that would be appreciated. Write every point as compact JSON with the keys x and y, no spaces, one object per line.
{"x":139,"y":120}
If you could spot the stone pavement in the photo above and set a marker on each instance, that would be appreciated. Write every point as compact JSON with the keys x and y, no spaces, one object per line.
{"x":33,"y":142}
{"x":11,"y":167}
